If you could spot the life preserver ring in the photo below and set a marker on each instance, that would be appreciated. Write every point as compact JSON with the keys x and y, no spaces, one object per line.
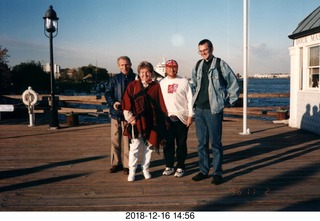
{"x":30,"y":97}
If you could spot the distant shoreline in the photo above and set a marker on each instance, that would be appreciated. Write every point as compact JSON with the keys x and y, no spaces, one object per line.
{"x":270,"y":76}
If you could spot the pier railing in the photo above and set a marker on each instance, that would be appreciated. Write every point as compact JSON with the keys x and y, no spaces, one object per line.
{"x":268,"y":111}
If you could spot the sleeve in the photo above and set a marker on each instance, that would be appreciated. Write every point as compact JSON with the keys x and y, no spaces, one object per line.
{"x":233,"y":88}
{"x":194,"y":80}
{"x":126,"y":103}
{"x":109,"y":93}
{"x":189,"y":99}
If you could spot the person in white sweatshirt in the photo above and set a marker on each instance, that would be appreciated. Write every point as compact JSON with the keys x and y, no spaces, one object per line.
{"x":177,"y":96}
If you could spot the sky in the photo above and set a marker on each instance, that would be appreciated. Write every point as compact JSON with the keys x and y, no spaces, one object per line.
{"x":97,"y":32}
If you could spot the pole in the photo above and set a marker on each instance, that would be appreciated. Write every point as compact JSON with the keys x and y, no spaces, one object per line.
{"x":245,"y":130}
{"x":54,"y":122}
{"x":31,"y":116}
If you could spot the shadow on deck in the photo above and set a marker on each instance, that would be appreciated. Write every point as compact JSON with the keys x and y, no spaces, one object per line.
{"x":276,"y":168}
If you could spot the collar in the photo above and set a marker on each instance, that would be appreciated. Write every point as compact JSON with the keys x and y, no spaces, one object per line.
{"x":209,"y":61}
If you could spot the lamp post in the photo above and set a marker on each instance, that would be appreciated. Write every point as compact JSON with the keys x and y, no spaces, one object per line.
{"x":50,"y":27}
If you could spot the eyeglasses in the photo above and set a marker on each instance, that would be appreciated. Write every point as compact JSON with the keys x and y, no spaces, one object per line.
{"x":204,"y":50}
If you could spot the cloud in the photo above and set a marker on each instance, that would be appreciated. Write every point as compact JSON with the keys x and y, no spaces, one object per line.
{"x":264,"y":59}
{"x":260,"y":50}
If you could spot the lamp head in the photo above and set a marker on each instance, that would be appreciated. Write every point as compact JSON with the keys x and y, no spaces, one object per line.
{"x":51,"y":20}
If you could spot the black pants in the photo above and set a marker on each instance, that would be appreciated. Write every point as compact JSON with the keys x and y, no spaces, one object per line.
{"x":177,"y":134}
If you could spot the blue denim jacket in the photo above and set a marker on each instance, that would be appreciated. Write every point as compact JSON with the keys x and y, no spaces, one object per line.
{"x":219,"y":96}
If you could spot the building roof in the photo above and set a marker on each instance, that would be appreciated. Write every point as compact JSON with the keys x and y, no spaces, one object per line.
{"x":308,"y":26}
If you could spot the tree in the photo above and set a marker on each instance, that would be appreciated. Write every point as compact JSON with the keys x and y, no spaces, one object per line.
{"x":5,"y":74}
{"x":102,"y":75}
{"x":99,"y":75}
{"x":77,"y":76}
{"x":30,"y":74}
{"x":3,"y":55}
{"x":64,"y":75}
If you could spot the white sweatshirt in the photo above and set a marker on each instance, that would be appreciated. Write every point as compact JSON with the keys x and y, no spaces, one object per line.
{"x":177,"y":96}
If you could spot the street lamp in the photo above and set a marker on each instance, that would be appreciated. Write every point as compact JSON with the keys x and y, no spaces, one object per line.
{"x":51,"y":26}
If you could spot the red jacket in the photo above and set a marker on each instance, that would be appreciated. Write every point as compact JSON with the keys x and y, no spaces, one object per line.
{"x":148,"y":109}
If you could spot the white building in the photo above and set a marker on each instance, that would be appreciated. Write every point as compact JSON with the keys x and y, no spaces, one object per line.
{"x":56,"y":70}
{"x":304,"y":71}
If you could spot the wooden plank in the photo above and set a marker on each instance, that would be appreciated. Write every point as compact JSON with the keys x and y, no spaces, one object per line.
{"x":81,"y":110}
{"x":274,"y":168}
{"x":65,"y":97}
{"x":102,"y":98}
{"x":255,"y":111}
{"x":269,"y":95}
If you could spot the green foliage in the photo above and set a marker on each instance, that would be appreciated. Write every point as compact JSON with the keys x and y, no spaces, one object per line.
{"x":3,"y":55}
{"x":93,"y":74}
{"x":5,"y":77}
{"x":83,"y":79}
{"x":30,"y":74}
{"x":102,"y":75}
{"x":5,"y":74}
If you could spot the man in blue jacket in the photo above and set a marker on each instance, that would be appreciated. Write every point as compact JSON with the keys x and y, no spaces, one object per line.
{"x":114,"y":93}
{"x":216,"y":87}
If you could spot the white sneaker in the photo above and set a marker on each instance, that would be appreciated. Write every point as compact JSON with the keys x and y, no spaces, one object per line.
{"x":131,"y":176}
{"x":179,"y":173}
{"x":168,"y":171}
{"x":146,"y":174}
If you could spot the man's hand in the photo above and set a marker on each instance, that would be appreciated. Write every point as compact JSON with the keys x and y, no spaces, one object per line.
{"x":189,"y":121}
{"x":117,"y":105}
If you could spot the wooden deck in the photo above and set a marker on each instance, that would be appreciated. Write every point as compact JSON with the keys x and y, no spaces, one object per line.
{"x":276,"y":168}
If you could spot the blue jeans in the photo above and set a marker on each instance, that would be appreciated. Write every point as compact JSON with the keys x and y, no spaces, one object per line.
{"x":209,"y":131}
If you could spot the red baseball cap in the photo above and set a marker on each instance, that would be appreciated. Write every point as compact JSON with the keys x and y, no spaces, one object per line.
{"x":171,"y":64}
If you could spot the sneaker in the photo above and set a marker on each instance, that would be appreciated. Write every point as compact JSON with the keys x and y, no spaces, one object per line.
{"x":200,"y":176}
{"x":131,"y":176}
{"x":179,"y":173}
{"x":168,"y":171}
{"x":146,"y":174}
{"x":216,"y":180}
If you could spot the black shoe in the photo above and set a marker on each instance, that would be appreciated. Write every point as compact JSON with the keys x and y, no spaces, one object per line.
{"x":200,"y":176}
{"x":115,"y":169}
{"x":216,"y":180}
{"x":125,"y":171}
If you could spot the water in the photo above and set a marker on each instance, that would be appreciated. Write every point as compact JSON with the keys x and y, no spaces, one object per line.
{"x":263,"y":86}
{"x":266,"y":86}
{"x":260,"y":86}
{"x":255,"y":86}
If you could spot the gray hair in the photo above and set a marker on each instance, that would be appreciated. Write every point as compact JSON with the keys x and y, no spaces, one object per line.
{"x":145,"y":64}
{"x":124,"y":58}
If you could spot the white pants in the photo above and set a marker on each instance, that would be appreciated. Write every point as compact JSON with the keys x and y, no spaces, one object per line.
{"x":137,"y":146}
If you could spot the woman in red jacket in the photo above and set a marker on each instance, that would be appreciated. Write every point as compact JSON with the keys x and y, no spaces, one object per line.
{"x":144,"y":110}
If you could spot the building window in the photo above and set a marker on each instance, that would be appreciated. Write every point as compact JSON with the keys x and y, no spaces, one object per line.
{"x":313,"y":67}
